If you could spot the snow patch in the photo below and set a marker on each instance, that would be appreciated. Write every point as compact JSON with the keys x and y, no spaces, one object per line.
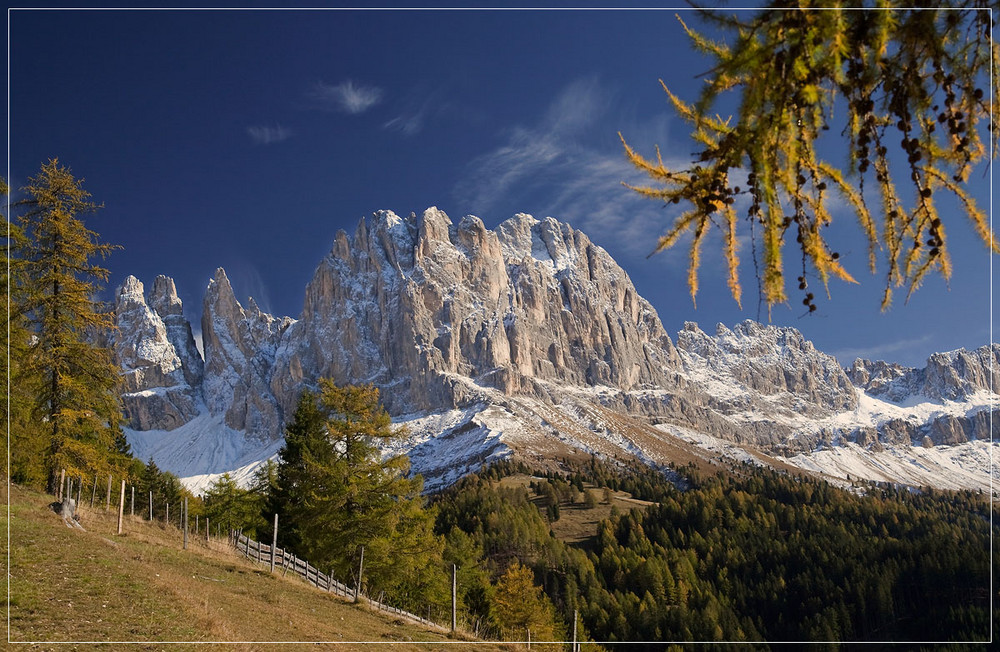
{"x":972,"y":465}
{"x":202,"y":450}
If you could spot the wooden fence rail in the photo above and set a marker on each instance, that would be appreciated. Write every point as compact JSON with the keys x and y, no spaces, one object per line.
{"x":261,"y":553}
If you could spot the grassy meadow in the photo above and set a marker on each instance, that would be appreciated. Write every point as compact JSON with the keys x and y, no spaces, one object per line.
{"x":69,"y":585}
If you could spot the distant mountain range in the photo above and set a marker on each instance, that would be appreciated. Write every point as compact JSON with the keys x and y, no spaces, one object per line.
{"x":531,"y":341}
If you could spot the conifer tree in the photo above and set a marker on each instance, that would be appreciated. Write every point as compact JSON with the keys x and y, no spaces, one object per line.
{"x":520,"y":605}
{"x":904,"y":91}
{"x":336,"y":494}
{"x":28,"y":442}
{"x":72,"y":380}
{"x":231,"y":506}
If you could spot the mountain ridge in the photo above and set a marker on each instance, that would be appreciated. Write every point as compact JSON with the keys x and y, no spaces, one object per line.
{"x":480,"y":338}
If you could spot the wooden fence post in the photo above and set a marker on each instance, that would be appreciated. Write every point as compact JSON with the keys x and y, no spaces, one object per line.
{"x":166,"y":518}
{"x":361,"y":568}
{"x":62,"y":485}
{"x":133,"y":501}
{"x":274,"y":541}
{"x":79,"y":492}
{"x":454,"y":596}
{"x":150,"y":506}
{"x":529,"y":638}
{"x":93,"y":494}
{"x":107,"y":501}
{"x":208,"y":530}
{"x":184,"y":516}
{"x":121,"y":507}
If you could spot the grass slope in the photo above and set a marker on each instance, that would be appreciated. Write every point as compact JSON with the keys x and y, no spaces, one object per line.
{"x":577,"y":524}
{"x":68,"y":585}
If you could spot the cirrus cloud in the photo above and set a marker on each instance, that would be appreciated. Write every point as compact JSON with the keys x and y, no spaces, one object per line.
{"x":264,"y":135}
{"x":555,"y":167}
{"x":346,"y":96}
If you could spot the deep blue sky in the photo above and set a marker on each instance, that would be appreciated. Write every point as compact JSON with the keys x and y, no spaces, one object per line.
{"x":246,"y":139}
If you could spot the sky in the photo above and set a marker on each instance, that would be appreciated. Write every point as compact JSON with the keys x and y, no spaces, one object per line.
{"x":246,"y":139}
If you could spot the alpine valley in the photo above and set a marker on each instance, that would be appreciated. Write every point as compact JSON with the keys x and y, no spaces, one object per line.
{"x":530,"y":342}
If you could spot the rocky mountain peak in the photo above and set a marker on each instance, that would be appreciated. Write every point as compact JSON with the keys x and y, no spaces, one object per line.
{"x":769,"y":361}
{"x":451,"y":307}
{"x":880,"y":378}
{"x":433,"y":225}
{"x":958,"y":374}
{"x":526,"y":336}
{"x":953,"y":375}
{"x":163,"y":298}
{"x":130,"y":292}
{"x":160,"y":376}
{"x":240,"y":346}
{"x":143,"y":349}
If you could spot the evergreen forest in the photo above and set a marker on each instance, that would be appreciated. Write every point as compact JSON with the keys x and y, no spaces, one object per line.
{"x":753,"y":555}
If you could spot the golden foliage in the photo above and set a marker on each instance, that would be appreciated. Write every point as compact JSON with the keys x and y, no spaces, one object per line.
{"x":74,"y":404}
{"x":519,"y":605}
{"x":914,"y":73}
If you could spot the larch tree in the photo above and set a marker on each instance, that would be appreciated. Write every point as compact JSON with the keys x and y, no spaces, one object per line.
{"x":28,"y":442}
{"x":520,"y":605}
{"x":906,"y":92}
{"x":336,"y":493}
{"x":72,"y":380}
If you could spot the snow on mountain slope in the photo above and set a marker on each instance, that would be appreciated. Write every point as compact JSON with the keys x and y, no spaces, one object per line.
{"x":530,"y":341}
{"x":202,"y":450}
{"x":972,"y":465}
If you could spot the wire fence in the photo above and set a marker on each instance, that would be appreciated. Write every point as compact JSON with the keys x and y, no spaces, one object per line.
{"x":257,"y":552}
{"x":286,"y":561}
{"x":132,"y":501}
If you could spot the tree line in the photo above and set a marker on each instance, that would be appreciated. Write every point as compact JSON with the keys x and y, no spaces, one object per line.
{"x":754,"y":556}
{"x":335,"y":494}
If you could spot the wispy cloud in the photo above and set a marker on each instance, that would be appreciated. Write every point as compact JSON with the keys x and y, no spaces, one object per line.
{"x":346,"y":97}
{"x":409,"y":125}
{"x":248,"y":282}
{"x":269,"y":135}
{"x":535,"y":153}
{"x":411,"y":120}
{"x":419,"y":107}
{"x":576,"y":182}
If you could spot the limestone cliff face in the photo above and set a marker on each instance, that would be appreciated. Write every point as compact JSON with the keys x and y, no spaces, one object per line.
{"x":428,"y":310}
{"x":165,"y":303}
{"x":953,"y":375}
{"x":440,"y":315}
{"x":240,"y":345}
{"x":161,"y":370}
{"x":768,"y":363}
{"x":574,"y":315}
